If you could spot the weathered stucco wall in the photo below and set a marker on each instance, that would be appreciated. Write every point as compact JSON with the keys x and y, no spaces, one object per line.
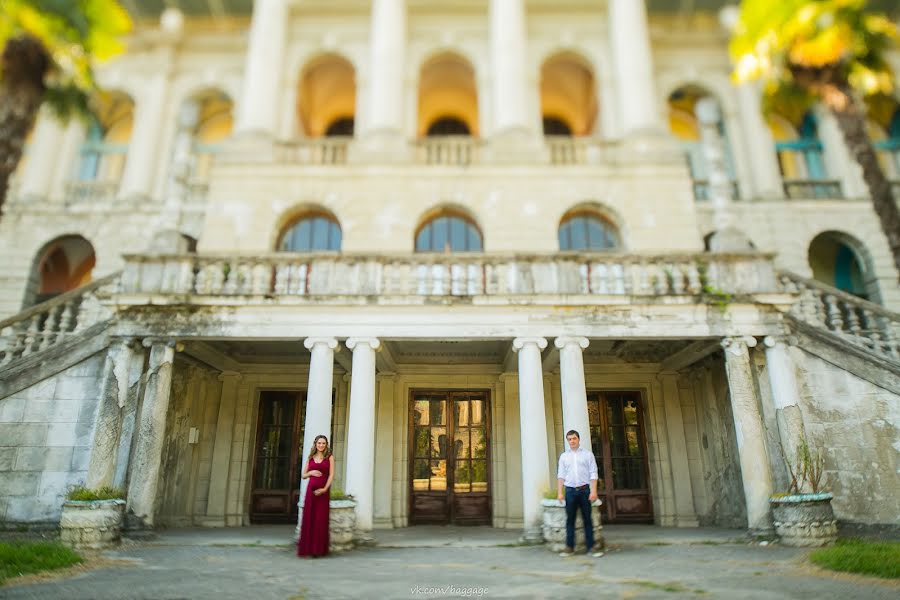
{"x":716,"y":475}
{"x":46,"y":435}
{"x":857,"y":425}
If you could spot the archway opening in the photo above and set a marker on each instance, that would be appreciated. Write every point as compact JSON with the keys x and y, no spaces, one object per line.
{"x":447,"y":95}
{"x":840,"y":261}
{"x":568,"y":95}
{"x":63,"y":265}
{"x":327,"y":96}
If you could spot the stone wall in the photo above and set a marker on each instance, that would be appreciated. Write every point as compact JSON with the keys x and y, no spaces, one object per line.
{"x":857,"y":425}
{"x":46,"y":435}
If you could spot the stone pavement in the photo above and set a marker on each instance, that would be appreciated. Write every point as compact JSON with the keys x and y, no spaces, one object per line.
{"x":437,"y":562}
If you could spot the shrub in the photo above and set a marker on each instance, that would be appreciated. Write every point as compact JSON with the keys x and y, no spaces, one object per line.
{"x":84,"y":494}
{"x":23,"y":558}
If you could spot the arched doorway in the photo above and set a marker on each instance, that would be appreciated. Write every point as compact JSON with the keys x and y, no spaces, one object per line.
{"x":63,"y":265}
{"x":568,"y":96}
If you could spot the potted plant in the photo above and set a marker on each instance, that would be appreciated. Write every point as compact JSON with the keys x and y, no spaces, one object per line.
{"x":803,"y":516}
{"x":92,"y":518}
{"x":553,"y":524}
{"x":341,"y":521}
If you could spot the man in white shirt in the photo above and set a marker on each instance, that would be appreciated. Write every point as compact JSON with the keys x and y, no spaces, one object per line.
{"x":576,"y":479}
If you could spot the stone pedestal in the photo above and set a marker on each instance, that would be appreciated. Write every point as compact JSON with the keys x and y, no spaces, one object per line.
{"x":553,"y":526}
{"x":341,"y":525}
{"x":92,"y":524}
{"x":804,"y":520}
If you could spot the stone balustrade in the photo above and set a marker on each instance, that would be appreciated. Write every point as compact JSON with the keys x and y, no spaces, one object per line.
{"x":52,"y":322}
{"x":568,"y":150}
{"x":468,"y":274}
{"x":452,"y":150}
{"x":90,"y":192}
{"x":313,"y":151}
{"x":855,"y":320}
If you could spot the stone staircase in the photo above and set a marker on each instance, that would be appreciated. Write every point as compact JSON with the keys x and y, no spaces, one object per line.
{"x":53,"y":335}
{"x":843,"y":319}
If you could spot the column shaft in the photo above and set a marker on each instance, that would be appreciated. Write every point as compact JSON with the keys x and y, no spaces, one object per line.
{"x":685,"y":515}
{"x":387,"y":46}
{"x":572,"y":386}
{"x":633,"y":64}
{"x":146,"y":462}
{"x":361,"y":430}
{"x":113,"y":393}
{"x":786,"y":395}
{"x":221,"y":456}
{"x":533,"y":420}
{"x":261,"y":92}
{"x":42,"y":156}
{"x":508,"y":43}
{"x":755,"y":474}
{"x":766,"y":174}
{"x":143,"y":147}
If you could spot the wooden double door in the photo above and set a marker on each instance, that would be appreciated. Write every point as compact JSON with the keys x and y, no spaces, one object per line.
{"x":278,"y":456}
{"x":449,"y":457}
{"x":620,"y":447}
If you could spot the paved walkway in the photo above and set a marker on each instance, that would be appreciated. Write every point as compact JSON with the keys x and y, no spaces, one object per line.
{"x":453,"y":562}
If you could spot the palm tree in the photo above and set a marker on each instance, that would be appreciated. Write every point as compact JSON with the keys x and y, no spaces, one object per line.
{"x":49,"y":47}
{"x":832,"y":51}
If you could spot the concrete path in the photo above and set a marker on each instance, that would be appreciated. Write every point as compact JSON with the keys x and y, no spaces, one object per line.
{"x":641,"y":562}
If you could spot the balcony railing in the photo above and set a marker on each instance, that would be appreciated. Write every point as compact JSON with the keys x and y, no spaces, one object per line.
{"x":701,"y":190}
{"x":315,"y":151}
{"x":853,"y":319}
{"x":568,"y":150}
{"x":90,"y":192}
{"x":451,"y":150}
{"x":809,"y":189}
{"x":318,"y":275}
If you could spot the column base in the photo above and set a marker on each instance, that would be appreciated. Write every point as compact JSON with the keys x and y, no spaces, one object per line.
{"x":380,"y":147}
{"x":515,"y":146}
{"x":532,"y":536}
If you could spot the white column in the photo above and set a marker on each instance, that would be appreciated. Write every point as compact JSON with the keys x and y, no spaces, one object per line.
{"x":574,"y":393}
{"x":41,"y":157}
{"x":143,"y":147}
{"x":786,"y":395}
{"x":113,"y":394}
{"x":533,"y":423}
{"x":318,"y":400}
{"x":261,"y":93}
{"x":748,"y":429}
{"x":360,"y":479}
{"x":387,"y":48}
{"x":760,"y":145}
{"x":839,"y":161}
{"x":147,"y":458}
{"x":508,"y":42}
{"x":633,"y":65}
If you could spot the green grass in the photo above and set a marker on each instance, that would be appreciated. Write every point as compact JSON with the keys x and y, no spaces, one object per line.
{"x":86,"y":494}
{"x":23,"y":558}
{"x":881,"y":559}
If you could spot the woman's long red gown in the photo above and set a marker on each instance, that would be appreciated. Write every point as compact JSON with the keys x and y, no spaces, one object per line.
{"x":314,"y":524}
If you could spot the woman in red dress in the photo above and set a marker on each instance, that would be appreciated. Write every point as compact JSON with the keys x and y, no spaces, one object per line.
{"x":319,"y":470}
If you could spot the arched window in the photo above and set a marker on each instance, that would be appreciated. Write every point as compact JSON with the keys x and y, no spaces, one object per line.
{"x":449,"y":233}
{"x":586,"y":231}
{"x":312,"y":233}
{"x":568,"y":95}
{"x":801,"y":154}
{"x":447,"y":88}
{"x":327,"y":95}
{"x":883,"y":112}
{"x":204,"y":122}
{"x":838,"y":260}
{"x":105,"y":146}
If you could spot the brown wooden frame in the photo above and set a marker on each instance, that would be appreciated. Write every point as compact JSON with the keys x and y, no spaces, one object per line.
{"x":449,"y":495}
{"x":608,"y":493}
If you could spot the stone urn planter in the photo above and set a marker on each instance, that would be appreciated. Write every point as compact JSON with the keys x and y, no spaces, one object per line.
{"x":92,"y":523}
{"x":553,"y":526}
{"x":341,"y":525}
{"x":804,"y":519}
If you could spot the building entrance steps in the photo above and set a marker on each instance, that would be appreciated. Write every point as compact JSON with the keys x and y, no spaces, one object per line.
{"x":436,"y":536}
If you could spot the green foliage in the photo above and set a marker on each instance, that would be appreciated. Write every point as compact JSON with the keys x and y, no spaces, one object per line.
{"x":881,"y":559}
{"x":75,"y":33}
{"x":81,"y":493}
{"x":775,"y":40}
{"x":22,"y":558}
{"x":338,"y":494}
{"x":807,"y":468}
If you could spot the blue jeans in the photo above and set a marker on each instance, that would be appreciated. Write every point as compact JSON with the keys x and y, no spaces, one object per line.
{"x":579,"y":498}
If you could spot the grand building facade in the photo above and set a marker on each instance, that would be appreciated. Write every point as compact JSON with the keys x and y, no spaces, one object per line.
{"x":443,"y":234}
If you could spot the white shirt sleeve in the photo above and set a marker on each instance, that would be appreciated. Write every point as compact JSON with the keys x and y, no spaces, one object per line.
{"x":561,"y":469}
{"x":593,"y":467}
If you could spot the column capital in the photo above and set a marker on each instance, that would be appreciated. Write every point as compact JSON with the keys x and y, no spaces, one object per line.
{"x":770,"y":341}
{"x":329,"y":342}
{"x":148,"y":342}
{"x":372,"y":342}
{"x":520,"y":342}
{"x":567,"y":340}
{"x":738,"y":345}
